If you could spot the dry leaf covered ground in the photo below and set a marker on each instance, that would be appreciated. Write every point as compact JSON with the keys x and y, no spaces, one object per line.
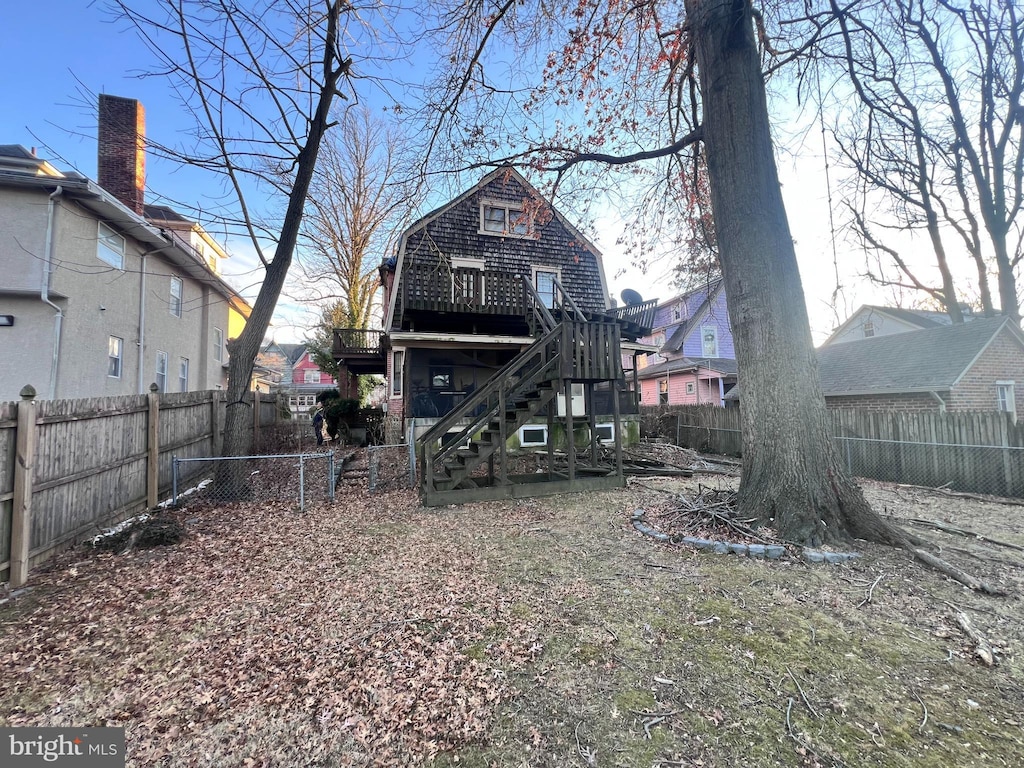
{"x":542,"y":632}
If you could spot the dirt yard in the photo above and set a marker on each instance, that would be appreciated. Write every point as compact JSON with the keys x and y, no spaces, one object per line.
{"x":543,"y":632}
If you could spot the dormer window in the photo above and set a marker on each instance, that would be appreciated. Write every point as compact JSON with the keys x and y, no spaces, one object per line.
{"x":505,"y":219}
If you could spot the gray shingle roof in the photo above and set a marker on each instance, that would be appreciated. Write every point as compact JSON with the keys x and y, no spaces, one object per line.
{"x":723,"y":365}
{"x":928,"y":360}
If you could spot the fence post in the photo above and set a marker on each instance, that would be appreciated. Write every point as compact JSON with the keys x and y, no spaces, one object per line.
{"x":21,"y":512}
{"x":174,"y":481}
{"x":153,"y":448}
{"x":215,"y":446}
{"x":255,"y":420}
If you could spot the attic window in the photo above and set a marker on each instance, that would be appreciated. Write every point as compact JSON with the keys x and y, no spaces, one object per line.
{"x":869,"y":329}
{"x":506,"y":219}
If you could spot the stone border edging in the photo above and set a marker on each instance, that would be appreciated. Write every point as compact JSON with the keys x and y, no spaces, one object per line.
{"x":769,"y":551}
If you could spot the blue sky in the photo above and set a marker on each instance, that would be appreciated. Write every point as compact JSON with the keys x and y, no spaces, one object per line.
{"x":56,"y":57}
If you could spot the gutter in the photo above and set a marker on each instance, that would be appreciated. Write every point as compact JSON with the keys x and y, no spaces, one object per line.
{"x":44,"y":289}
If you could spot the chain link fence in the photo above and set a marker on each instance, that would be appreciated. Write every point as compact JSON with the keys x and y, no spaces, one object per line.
{"x":391,"y":467}
{"x":303,"y":477}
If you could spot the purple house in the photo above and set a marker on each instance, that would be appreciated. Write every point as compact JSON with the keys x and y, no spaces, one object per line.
{"x":695,"y":363}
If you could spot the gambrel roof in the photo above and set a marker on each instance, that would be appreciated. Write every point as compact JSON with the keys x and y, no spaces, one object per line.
{"x":449,"y":231}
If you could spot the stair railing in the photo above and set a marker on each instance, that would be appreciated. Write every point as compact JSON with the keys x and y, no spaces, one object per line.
{"x":512,"y":378}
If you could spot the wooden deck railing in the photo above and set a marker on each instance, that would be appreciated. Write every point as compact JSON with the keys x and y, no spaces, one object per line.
{"x":463,"y":290}
{"x":356,"y":341}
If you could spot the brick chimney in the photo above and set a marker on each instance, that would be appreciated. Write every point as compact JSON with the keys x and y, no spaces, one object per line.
{"x":121,"y":166}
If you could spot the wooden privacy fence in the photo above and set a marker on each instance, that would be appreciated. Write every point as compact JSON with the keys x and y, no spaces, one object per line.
{"x":68,"y":467}
{"x":979,"y":452}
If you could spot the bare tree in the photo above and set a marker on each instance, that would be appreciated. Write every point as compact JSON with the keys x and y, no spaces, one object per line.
{"x":260,"y":81}
{"x":644,"y":89}
{"x":355,"y":200}
{"x":935,"y":137}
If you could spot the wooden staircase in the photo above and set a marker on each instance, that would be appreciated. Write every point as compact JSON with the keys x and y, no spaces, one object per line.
{"x":569,"y":349}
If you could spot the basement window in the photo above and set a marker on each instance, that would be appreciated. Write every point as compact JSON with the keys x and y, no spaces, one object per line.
{"x":605,"y":432}
{"x":533,"y":435}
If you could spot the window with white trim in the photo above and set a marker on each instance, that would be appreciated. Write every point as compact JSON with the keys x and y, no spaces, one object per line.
{"x":605,"y":432}
{"x":183,"y":374}
{"x":504,"y":219}
{"x":176,"y":292}
{"x":690,"y":387}
{"x":115,"y":350}
{"x":468,"y":281}
{"x":709,"y":341}
{"x":663,"y":392}
{"x":110,"y":246}
{"x":869,"y":329}
{"x":1005,"y":397}
{"x":218,"y":345}
{"x":311,"y":376}
{"x":397,"y":362}
{"x":544,"y":281}
{"x":161,"y":371}
{"x":532,"y":435}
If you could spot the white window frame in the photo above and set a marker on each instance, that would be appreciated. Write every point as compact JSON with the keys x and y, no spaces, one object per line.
{"x":460,"y":262}
{"x":610,"y":426}
{"x":677,"y":313}
{"x":311,"y":376}
{"x":662,"y":391}
{"x":524,"y":443}
{"x":513,"y":224}
{"x":704,"y":329}
{"x":183,"y":374}
{"x":218,"y":345}
{"x":115,"y":357}
{"x":177,"y":296}
{"x":161,"y":371}
{"x":869,"y":329}
{"x":691,"y":388}
{"x":1006,"y":397}
{"x":397,"y":372}
{"x":110,"y":246}
{"x":537,"y":270}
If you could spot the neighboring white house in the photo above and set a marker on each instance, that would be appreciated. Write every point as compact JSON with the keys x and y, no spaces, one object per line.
{"x":96,"y":299}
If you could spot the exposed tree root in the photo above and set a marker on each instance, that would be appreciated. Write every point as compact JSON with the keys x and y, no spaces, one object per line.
{"x":955,"y":573}
{"x":982,"y":648}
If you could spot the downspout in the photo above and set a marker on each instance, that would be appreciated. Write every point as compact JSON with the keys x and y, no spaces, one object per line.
{"x":141,"y":388}
{"x":942,"y":403}
{"x":44,"y":290}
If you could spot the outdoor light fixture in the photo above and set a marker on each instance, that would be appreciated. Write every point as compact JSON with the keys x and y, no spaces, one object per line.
{"x":6,"y":321}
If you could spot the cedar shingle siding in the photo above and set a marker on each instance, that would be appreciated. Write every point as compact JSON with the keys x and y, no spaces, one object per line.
{"x":455,"y":232}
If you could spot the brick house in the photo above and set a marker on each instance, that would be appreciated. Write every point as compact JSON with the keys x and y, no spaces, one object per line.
{"x":975,"y":366}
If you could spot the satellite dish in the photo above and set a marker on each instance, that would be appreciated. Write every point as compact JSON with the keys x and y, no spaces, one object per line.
{"x":631,"y":297}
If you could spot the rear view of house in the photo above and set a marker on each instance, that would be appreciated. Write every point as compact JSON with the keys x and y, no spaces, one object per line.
{"x":473,"y":288}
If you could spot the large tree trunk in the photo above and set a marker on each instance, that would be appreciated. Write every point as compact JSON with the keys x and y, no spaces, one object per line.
{"x":792,"y":479}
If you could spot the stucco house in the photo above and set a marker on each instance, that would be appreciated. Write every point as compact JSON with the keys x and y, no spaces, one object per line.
{"x":496,"y":304}
{"x":695,"y":362}
{"x":96,"y":298}
{"x":974,"y":366}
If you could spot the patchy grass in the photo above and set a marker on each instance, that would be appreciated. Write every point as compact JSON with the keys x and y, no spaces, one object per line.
{"x":540,"y":632}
